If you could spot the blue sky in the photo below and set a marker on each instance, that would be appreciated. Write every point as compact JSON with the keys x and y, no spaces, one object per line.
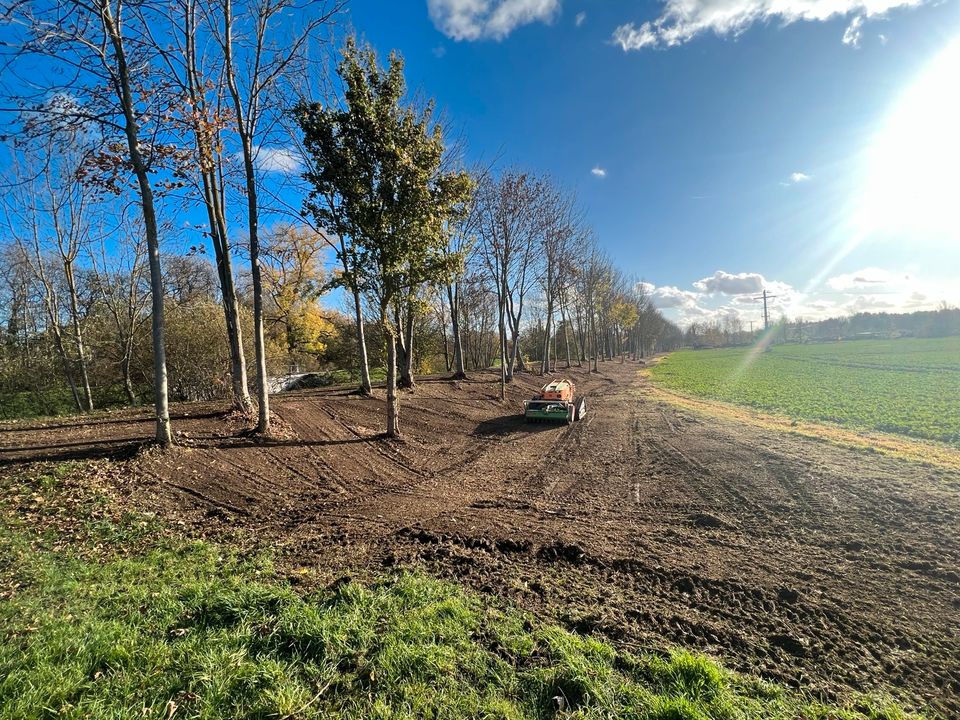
{"x":719,"y":146}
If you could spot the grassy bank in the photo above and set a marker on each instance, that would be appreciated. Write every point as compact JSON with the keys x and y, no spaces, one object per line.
{"x":111,"y":616}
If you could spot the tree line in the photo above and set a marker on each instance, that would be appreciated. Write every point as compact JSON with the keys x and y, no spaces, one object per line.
{"x":729,"y":331}
{"x":143,"y":124}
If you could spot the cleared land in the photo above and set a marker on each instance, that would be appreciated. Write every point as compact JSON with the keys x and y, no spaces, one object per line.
{"x":103,"y":616}
{"x":907,"y":386}
{"x":819,"y":566}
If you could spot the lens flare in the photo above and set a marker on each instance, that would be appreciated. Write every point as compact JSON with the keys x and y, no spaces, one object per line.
{"x":912,"y":187}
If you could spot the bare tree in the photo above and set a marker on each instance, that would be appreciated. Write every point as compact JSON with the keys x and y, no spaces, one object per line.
{"x":200,"y":80}
{"x":561,"y":225}
{"x":50,"y":213}
{"x":123,"y":289}
{"x":257,"y":60}
{"x":510,"y":223}
{"x":461,"y":243}
{"x":105,"y":85}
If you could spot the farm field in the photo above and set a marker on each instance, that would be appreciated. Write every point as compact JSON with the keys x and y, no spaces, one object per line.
{"x":906,"y":386}
{"x":823,"y":569}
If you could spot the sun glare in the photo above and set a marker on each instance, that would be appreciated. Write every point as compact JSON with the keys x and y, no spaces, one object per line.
{"x":913,"y":182}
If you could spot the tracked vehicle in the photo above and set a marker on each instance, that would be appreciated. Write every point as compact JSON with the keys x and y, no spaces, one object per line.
{"x":556,"y":402}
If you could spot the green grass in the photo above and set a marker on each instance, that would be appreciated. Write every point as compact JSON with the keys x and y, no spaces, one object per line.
{"x":349,"y":377}
{"x":49,"y":403}
{"x":127,"y":621}
{"x":907,"y":386}
{"x":57,"y":401}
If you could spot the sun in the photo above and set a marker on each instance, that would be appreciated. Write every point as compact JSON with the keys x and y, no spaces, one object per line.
{"x":912,"y":188}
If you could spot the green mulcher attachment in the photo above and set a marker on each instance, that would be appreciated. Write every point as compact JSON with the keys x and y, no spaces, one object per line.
{"x":555,"y":410}
{"x":555,"y":403}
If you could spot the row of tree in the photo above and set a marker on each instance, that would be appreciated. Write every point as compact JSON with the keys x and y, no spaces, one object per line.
{"x":156,"y":111}
{"x":729,"y":330}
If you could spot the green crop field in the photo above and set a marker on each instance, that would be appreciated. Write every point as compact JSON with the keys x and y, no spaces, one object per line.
{"x":906,"y":386}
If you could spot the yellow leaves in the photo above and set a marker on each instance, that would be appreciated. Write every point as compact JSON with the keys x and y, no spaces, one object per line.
{"x":314,"y":330}
{"x":293,"y":278}
{"x":624,"y":314}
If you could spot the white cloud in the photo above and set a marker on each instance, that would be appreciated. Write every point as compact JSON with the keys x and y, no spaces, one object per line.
{"x":682,"y":20}
{"x":580,"y":18}
{"x":482,"y":19}
{"x":278,"y":160}
{"x":669,"y":296}
{"x":871,"y":289}
{"x":865,"y":278}
{"x":854,"y":31}
{"x":631,"y":37}
{"x":599,"y":171}
{"x":439,"y":51}
{"x":883,"y":39}
{"x":868,"y":303}
{"x":796,"y":177}
{"x":731,"y":284}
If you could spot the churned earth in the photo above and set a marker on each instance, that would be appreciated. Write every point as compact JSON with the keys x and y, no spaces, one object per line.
{"x":831,"y":568}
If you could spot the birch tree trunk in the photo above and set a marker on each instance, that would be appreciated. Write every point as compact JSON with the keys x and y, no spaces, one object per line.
{"x":566,"y":328}
{"x":393,"y":402}
{"x":406,"y":343}
{"x":242,"y":116}
{"x":164,"y":433}
{"x":78,"y":333}
{"x":365,"y":387}
{"x":459,"y":370}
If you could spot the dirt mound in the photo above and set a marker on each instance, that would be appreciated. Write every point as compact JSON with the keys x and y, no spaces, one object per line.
{"x":816,"y":565}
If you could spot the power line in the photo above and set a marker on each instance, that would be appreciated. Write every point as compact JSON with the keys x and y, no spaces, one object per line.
{"x":765,"y":297}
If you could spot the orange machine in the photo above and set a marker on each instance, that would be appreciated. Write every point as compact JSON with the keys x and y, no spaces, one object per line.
{"x":557,"y":390}
{"x":555,"y":401}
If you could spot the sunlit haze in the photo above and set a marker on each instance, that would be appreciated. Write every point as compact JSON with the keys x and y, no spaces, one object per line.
{"x":720,"y":148}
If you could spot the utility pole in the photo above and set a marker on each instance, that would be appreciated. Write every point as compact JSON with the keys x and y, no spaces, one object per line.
{"x":766,"y":296}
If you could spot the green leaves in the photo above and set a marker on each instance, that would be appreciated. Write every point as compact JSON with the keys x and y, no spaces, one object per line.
{"x":377,"y":177}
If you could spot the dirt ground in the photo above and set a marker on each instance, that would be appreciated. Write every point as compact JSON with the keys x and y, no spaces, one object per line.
{"x":831,"y":569}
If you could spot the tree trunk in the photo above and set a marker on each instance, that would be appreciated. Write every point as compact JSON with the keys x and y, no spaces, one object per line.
{"x":253,"y":221}
{"x":505,"y":320}
{"x":228,"y":294}
{"x":78,"y":333}
{"x":503,"y":351}
{"x":517,"y":363}
{"x":406,"y":369}
{"x":516,"y":357}
{"x":164,"y":435}
{"x":263,"y":390}
{"x":127,"y":380}
{"x":459,"y":371}
{"x":566,"y":329}
{"x":593,"y":343}
{"x":213,"y":197}
{"x":362,"y":344}
{"x":447,"y":362}
{"x":545,"y":357}
{"x":161,"y":405}
{"x":393,"y":402}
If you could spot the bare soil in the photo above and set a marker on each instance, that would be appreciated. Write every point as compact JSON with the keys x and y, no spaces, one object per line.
{"x":829,"y":568}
